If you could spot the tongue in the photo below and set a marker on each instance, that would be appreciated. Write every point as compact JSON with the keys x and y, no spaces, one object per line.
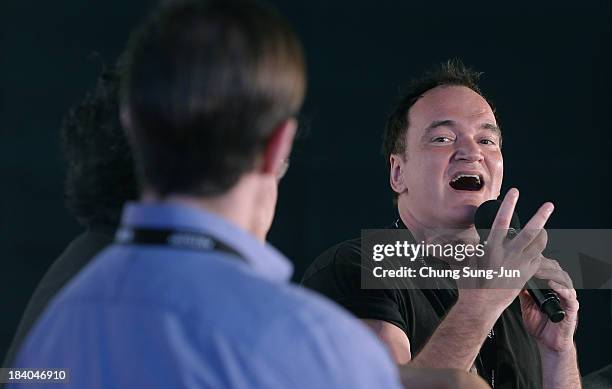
{"x":466,"y":183}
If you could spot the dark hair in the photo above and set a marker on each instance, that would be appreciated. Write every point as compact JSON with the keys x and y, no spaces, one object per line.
{"x":451,"y":72}
{"x":206,"y":83}
{"x":100,"y":174}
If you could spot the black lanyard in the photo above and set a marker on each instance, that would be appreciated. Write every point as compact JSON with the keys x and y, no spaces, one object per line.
{"x":179,"y":239}
{"x":488,"y":348}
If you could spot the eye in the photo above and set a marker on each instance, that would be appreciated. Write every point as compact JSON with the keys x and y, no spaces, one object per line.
{"x":487,"y":142}
{"x":441,"y":139}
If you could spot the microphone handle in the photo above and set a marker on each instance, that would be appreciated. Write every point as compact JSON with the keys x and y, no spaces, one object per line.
{"x":547,"y":300}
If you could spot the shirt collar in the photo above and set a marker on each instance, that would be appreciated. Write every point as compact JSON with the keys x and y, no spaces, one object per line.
{"x":262,"y":257}
{"x":399,"y":225}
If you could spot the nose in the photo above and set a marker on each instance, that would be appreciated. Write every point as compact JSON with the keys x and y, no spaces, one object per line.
{"x":468,"y":150}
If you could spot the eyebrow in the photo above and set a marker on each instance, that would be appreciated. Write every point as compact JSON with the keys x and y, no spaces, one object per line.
{"x":439,"y":123}
{"x":493,"y":127}
{"x":449,"y":123}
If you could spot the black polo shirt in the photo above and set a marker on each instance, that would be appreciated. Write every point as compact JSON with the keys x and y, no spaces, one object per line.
{"x":511,"y":353}
{"x":74,"y":258}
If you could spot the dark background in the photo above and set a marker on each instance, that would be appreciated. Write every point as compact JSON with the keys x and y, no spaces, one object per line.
{"x":547,"y":70}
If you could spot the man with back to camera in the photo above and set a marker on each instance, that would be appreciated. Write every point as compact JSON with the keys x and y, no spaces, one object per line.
{"x":99,"y":180}
{"x":188,"y":296}
{"x":443,"y":145}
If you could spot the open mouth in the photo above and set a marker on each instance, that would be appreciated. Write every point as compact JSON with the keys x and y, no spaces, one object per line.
{"x":469,"y":182}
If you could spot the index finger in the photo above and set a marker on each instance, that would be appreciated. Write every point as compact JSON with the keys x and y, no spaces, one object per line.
{"x":504,"y":215}
{"x":534,"y":226}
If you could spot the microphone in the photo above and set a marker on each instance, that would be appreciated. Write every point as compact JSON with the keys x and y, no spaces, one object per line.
{"x":546,"y":299}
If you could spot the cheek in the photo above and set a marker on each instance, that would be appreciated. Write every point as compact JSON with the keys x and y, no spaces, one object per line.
{"x":424,"y":168}
{"x":497,"y":170}
{"x":422,"y":173}
{"x":433,"y":163}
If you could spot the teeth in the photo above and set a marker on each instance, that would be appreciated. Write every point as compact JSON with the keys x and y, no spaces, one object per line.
{"x":467,"y":175}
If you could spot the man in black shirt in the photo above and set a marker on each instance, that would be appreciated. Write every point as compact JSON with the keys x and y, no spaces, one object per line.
{"x":443,"y":145}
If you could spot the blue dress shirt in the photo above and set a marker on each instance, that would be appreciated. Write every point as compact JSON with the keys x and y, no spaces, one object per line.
{"x":151,"y":316}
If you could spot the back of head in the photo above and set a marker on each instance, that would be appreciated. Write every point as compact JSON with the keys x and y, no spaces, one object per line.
{"x":205,"y":84}
{"x":100,"y":171}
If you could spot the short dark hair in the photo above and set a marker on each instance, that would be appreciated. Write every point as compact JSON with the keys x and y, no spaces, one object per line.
{"x":451,"y":72}
{"x":100,"y":171}
{"x":205,"y":85}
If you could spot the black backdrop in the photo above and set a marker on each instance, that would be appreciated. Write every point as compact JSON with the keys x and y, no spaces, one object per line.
{"x":546,"y":69}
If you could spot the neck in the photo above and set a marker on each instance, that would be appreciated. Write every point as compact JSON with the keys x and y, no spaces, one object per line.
{"x":236,"y":206}
{"x":432,"y":233}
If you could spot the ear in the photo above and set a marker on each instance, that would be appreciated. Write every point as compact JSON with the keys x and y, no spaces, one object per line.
{"x":396,"y":173}
{"x":278,"y":147}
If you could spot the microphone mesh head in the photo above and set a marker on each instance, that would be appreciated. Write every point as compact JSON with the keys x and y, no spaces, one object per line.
{"x":485,"y":216}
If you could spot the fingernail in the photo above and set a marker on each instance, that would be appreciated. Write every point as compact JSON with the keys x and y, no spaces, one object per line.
{"x":549,"y":208}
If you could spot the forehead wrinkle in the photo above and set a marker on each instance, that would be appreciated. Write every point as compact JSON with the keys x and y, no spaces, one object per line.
{"x":440,"y":123}
{"x":474,"y":108}
{"x":479,"y":111}
{"x":482,"y":111}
